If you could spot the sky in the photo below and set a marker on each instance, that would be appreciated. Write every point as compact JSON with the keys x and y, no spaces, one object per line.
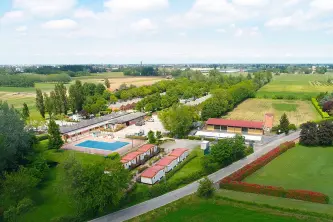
{"x":165,"y":31}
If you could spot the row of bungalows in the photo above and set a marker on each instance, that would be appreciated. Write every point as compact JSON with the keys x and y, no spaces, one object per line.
{"x":164,"y":165}
{"x":140,"y":156}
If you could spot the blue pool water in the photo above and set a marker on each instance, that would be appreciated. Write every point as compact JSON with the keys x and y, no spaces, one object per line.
{"x":102,"y":145}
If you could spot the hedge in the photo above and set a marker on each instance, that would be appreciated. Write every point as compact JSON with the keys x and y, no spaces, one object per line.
{"x":318,"y":108}
{"x":137,"y":137}
{"x":42,"y":137}
{"x":233,"y":181}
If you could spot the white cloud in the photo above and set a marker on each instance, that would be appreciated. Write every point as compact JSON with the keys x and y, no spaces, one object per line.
{"x":251,"y":2}
{"x":44,"y":8}
{"x":21,"y":29}
{"x":83,"y":13}
{"x":135,"y":5}
{"x":239,"y":32}
{"x":12,"y":16}
{"x":143,"y":25}
{"x":323,"y":5}
{"x":60,"y":24}
{"x":220,"y":30}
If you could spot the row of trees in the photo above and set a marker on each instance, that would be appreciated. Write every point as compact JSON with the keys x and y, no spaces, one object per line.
{"x":29,"y":80}
{"x":313,"y":134}
{"x":89,"y":97}
{"x":72,"y":70}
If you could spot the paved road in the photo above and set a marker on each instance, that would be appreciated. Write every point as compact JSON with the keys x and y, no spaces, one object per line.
{"x":160,"y":201}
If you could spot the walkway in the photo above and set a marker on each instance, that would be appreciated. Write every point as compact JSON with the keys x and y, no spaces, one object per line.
{"x":167,"y":198}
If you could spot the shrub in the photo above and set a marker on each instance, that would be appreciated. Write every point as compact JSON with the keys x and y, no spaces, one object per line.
{"x":24,"y":206}
{"x":233,"y":181}
{"x":142,"y":168}
{"x":318,"y":108}
{"x":42,"y":137}
{"x":206,"y":188}
{"x":291,"y":97}
{"x":10,"y":214}
{"x":113,"y":156}
{"x":249,"y":150}
{"x":292,"y":127}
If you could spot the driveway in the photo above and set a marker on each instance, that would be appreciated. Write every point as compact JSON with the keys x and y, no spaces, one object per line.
{"x":167,"y":198}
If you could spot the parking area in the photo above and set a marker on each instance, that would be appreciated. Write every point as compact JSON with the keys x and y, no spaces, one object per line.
{"x":189,"y":144}
{"x":156,"y":125}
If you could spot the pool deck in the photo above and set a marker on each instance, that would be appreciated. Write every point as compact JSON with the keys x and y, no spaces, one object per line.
{"x":122,"y":151}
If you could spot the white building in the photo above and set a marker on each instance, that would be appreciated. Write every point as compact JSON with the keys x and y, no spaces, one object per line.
{"x":180,"y":153}
{"x":168,"y":162}
{"x":152,"y":175}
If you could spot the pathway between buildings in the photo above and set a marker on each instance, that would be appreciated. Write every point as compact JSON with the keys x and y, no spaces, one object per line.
{"x":167,"y":198}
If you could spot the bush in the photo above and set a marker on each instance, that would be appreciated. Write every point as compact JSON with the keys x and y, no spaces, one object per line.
{"x":10,"y":214}
{"x":42,"y":137}
{"x":113,"y":156}
{"x":24,"y":206}
{"x":318,"y":108}
{"x":142,"y":168}
{"x":233,"y":181}
{"x":291,"y":97}
{"x":206,"y":188}
{"x":249,"y":150}
{"x":292,"y":127}
{"x":194,"y":137}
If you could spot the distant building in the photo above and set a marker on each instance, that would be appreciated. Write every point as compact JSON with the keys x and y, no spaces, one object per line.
{"x":235,"y":126}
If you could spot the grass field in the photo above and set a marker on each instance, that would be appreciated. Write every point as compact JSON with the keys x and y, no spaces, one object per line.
{"x":307,"y":168}
{"x":192,"y":166}
{"x":300,"y":86}
{"x":195,"y":209}
{"x":297,"y":111}
{"x":50,"y":199}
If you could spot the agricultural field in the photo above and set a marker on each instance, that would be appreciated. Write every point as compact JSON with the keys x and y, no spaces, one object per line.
{"x":195,"y":209}
{"x":305,"y":168}
{"x":16,"y":96}
{"x":298,"y":112}
{"x":299,"y":86}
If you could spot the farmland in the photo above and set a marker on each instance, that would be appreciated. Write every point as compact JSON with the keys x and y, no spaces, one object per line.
{"x":16,"y":96}
{"x":305,"y":168}
{"x":297,"y":111}
{"x":300,"y":86}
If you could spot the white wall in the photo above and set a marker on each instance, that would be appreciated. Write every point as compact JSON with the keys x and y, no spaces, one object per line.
{"x":172,"y":165}
{"x":158,"y":176}
{"x":146,"y":180}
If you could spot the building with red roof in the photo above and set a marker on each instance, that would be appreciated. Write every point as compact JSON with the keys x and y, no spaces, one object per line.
{"x":168,"y":162}
{"x":180,"y":153}
{"x":235,"y":126}
{"x":149,"y":150}
{"x":132,"y":159}
{"x":152,"y":174}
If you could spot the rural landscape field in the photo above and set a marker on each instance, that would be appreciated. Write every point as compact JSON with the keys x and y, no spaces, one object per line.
{"x":298,"y":111}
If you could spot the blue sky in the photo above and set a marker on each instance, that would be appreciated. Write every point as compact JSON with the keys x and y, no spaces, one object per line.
{"x":166,"y":31}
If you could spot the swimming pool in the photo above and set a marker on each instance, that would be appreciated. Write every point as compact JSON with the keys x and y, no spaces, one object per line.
{"x":102,"y":145}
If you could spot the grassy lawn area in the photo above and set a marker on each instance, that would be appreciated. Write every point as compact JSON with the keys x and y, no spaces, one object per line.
{"x":299,"y":85}
{"x":194,"y":209}
{"x":50,"y":199}
{"x":192,"y":166}
{"x":307,"y":168}
{"x":298,"y":112}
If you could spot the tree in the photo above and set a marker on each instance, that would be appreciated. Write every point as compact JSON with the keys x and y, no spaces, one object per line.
{"x":309,"y":134}
{"x":151,"y":137}
{"x":100,"y":89}
{"x":40,"y":102}
{"x":178,"y":119}
{"x":206,"y":188}
{"x":284,"y":124}
{"x":107,"y":83}
{"x":158,"y":135}
{"x":113,"y":99}
{"x":49,"y":105}
{"x":76,"y":96}
{"x":95,"y":187}
{"x":25,"y":111}
{"x":55,"y":140}
{"x":325,"y":133}
{"x":15,"y":141}
{"x":61,"y":98}
{"x":222,"y":152}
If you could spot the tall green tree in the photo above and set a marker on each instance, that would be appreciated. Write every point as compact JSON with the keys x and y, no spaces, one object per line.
{"x":284,"y":124}
{"x":100,"y":89}
{"x":55,"y":140}
{"x":107,"y":83}
{"x":151,"y":137}
{"x":61,"y":97}
{"x":95,"y":187}
{"x":325,"y":133}
{"x":15,"y":141}
{"x":76,"y":96}
{"x":25,"y":111}
{"x":40,"y":102}
{"x":49,"y":105}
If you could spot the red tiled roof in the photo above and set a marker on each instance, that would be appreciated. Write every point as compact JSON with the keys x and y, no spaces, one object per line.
{"x":146,"y":147}
{"x":235,"y":123}
{"x":131,"y":156}
{"x":152,"y":171}
{"x":178,"y":152}
{"x":166,"y":161}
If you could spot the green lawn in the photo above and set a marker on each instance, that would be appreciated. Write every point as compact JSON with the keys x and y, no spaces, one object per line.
{"x":50,"y":199}
{"x":285,"y":107}
{"x":195,"y":209}
{"x":307,"y":168}
{"x":193,"y":166}
{"x":300,"y":86}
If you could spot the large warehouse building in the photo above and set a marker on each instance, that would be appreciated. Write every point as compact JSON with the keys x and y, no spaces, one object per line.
{"x":235,"y":126}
